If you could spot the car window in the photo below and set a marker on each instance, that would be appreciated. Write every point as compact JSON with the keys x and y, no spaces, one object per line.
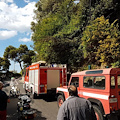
{"x":75,"y":81}
{"x":112,"y":82}
{"x":97,"y":82}
{"x":118,"y":81}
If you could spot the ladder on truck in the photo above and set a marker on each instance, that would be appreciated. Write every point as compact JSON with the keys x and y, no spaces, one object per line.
{"x":64,"y":79}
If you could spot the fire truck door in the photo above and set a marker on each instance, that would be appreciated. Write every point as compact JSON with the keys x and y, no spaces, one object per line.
{"x":115,"y":90}
{"x":118,"y":89}
{"x":53,"y":78}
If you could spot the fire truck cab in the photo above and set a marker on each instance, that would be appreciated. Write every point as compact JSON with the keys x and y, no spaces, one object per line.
{"x":101,"y":87}
{"x":43,"y":79}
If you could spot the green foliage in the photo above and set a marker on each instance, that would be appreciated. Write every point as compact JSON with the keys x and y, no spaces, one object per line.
{"x":102,"y":7}
{"x":12,"y":52}
{"x":21,"y":54}
{"x":77,"y":34}
{"x":53,"y":32}
{"x":116,"y":64}
{"x":108,"y":8}
{"x":4,"y":63}
{"x":101,"y":42}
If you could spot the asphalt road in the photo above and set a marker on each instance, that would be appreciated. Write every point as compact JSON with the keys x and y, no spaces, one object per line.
{"x":46,"y":106}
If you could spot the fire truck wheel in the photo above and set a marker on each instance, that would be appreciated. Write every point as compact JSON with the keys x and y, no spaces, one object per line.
{"x":98,"y":113}
{"x":34,"y":96}
{"x":60,"y":100}
{"x":25,"y":88}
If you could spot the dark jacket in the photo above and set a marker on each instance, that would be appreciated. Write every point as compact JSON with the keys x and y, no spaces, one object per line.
{"x":76,"y":108}
{"x":3,"y":100}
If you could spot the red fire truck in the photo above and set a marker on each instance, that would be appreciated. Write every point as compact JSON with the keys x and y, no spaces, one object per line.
{"x":42,"y":79}
{"x":101,"y":87}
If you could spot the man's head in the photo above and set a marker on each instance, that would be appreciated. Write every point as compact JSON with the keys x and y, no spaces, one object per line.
{"x":72,"y":90}
{"x":1,"y":85}
{"x":12,"y":79}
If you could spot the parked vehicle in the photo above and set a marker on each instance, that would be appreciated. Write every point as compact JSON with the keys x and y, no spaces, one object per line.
{"x":14,"y":91}
{"x":101,"y":87}
{"x":44,"y":79}
{"x":25,"y":112}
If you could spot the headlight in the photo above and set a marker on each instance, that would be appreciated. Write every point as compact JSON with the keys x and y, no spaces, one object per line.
{"x":21,"y":108}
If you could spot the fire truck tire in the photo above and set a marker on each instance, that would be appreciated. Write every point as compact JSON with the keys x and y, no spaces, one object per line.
{"x":60,"y":100}
{"x":25,"y":88}
{"x":98,"y":113}
{"x":34,"y":96}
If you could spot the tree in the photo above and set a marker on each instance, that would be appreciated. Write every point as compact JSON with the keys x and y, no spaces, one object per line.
{"x":20,"y":55}
{"x":4,"y":63}
{"x":101,"y":42}
{"x":108,"y":8}
{"x":61,"y":26}
{"x":54,"y":30}
{"x":66,"y":51}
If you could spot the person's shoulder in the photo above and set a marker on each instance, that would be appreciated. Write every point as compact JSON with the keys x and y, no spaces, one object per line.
{"x":76,"y":98}
{"x":3,"y":92}
{"x":83,"y":99}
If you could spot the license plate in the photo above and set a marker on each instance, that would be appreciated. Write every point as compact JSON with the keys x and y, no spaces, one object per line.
{"x":112,"y":100}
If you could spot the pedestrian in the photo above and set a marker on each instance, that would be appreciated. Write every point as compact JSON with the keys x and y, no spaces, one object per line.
{"x":76,"y":108}
{"x":4,"y":99}
{"x":13,"y":82}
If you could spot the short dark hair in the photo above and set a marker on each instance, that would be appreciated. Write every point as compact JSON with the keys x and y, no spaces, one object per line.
{"x":72,"y":90}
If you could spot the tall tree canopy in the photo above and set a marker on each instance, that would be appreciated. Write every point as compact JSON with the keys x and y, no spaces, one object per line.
{"x":20,"y":55}
{"x":54,"y":31}
{"x":64,"y":29}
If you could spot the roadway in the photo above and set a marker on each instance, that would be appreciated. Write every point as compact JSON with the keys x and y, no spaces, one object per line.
{"x":46,"y":106}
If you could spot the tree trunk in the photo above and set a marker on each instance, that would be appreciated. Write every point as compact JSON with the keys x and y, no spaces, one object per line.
{"x":21,"y":67}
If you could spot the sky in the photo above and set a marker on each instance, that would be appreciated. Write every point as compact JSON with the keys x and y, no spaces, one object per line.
{"x":15,"y":23}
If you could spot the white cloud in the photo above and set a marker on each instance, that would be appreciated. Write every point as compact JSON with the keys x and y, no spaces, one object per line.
{"x":14,"y":18}
{"x":7,"y":1}
{"x":26,"y":1}
{"x":24,"y":40}
{"x":28,"y":34}
{"x":7,"y":34}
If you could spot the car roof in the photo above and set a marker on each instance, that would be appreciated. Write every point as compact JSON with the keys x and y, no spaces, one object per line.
{"x":98,"y":71}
